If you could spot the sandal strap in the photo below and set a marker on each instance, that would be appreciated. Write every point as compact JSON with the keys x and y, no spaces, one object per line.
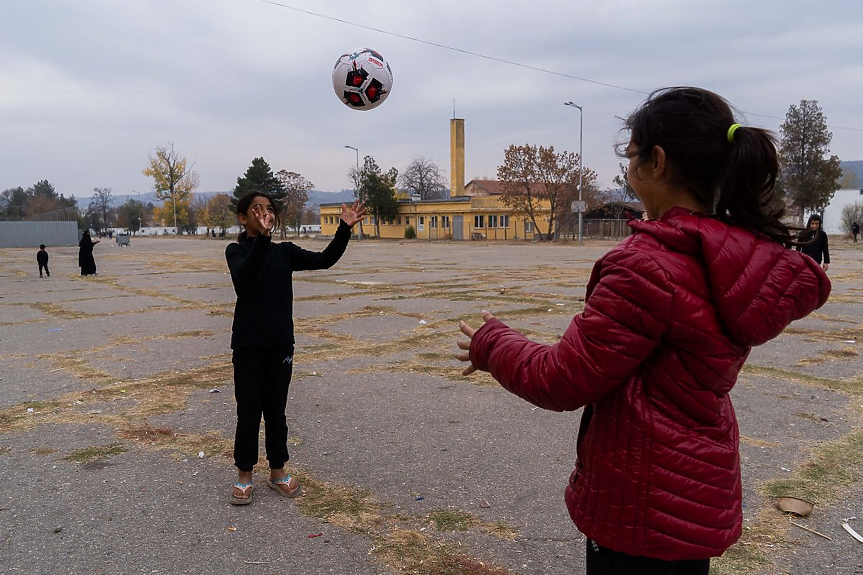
{"x":284,"y":480}
{"x":243,"y":486}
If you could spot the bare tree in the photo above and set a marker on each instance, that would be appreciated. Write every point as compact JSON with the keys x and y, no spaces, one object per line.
{"x":535,"y":177}
{"x":101,"y":205}
{"x":851,"y":213}
{"x":296,"y":195}
{"x":423,"y":177}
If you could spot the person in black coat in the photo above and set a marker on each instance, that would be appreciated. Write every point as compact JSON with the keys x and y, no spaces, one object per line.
{"x":814,"y":242}
{"x":855,"y":230}
{"x":42,"y":260}
{"x":85,"y":255}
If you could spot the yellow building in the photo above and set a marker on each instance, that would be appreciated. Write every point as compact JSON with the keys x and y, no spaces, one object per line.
{"x":479,"y":214}
{"x":473,"y":211}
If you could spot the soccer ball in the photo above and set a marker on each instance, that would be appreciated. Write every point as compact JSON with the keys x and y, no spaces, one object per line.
{"x":362,"y":79}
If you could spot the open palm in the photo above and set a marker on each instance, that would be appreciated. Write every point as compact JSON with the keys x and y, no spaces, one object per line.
{"x":353,"y":214}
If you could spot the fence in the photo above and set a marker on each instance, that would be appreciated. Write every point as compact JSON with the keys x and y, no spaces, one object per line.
{"x":31,"y":234}
{"x":604,"y":229}
{"x":592,"y":229}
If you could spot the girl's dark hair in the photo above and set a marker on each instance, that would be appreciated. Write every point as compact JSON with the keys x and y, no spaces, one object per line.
{"x":736,"y":178}
{"x":245,"y":203}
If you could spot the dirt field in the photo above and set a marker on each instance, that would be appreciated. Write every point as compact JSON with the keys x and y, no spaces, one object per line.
{"x":117,"y":416}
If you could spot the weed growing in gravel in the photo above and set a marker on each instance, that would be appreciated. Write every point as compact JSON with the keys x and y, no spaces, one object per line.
{"x":96,"y":452}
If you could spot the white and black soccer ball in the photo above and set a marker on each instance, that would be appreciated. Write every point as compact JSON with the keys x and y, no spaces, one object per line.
{"x":362,"y":79}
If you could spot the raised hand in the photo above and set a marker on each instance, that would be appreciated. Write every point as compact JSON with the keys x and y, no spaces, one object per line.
{"x":353,"y":214}
{"x":465,"y":345}
{"x":265,"y":219}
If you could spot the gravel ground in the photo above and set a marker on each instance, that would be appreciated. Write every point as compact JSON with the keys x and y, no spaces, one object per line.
{"x":377,"y":410}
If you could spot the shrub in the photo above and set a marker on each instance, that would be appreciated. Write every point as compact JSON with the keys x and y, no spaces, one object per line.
{"x":410,"y":233}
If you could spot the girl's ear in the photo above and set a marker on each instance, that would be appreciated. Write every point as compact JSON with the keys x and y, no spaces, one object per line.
{"x":242,"y":219}
{"x":659,"y":163}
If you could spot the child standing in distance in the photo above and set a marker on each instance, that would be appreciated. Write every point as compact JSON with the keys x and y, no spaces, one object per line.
{"x":42,"y":260}
{"x":813,"y":242}
{"x":263,"y":335}
{"x":670,"y":316}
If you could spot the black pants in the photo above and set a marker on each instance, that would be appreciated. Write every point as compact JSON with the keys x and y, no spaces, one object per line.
{"x":603,"y":561}
{"x":261,"y":380}
{"x":46,"y":270}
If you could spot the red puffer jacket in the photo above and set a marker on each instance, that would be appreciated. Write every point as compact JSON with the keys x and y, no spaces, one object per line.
{"x":669,"y":319}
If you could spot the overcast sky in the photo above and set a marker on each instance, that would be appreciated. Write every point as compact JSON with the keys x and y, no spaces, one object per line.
{"x":89,"y":87}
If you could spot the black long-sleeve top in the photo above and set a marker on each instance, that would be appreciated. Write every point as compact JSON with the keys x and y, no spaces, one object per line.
{"x":816,"y":249}
{"x":42,"y":257}
{"x":261,"y":271}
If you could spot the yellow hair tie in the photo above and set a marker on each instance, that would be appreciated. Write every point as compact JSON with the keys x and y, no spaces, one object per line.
{"x":731,"y":131}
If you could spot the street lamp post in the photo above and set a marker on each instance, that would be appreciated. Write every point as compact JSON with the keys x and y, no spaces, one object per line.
{"x":580,"y":159}
{"x":357,"y":184}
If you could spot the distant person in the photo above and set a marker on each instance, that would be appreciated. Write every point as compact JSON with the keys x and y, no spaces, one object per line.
{"x":855,"y":230}
{"x":670,"y":317}
{"x":214,"y":233}
{"x":42,"y":260}
{"x":813,"y":242}
{"x":263,"y":335}
{"x":85,"y":255}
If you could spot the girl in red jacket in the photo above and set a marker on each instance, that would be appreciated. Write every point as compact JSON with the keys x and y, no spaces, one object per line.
{"x":670,"y":317}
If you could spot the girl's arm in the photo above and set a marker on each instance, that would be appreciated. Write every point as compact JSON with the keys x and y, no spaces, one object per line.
{"x":244,"y":268}
{"x":624,"y":319}
{"x":308,"y":260}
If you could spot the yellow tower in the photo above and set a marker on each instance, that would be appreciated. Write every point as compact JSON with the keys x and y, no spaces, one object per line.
{"x":456,"y":153}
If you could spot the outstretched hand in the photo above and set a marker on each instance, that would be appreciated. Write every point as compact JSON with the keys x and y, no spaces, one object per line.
{"x":465,"y":345}
{"x":353,"y":214}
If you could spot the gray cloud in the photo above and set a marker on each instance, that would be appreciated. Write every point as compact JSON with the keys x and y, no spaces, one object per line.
{"x":87,"y":88}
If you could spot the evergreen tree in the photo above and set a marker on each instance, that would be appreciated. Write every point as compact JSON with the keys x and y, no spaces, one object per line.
{"x":259,"y":178}
{"x":808,"y":177}
{"x":378,"y":191}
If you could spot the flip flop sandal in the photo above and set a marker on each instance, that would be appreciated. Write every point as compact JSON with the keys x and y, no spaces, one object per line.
{"x":242,"y":500}
{"x":294,"y":487}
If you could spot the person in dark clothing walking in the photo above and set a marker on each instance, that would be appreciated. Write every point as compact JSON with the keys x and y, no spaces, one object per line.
{"x":814,"y":242}
{"x":85,"y":255}
{"x":855,"y":230}
{"x":42,"y":260}
{"x":263,"y":334}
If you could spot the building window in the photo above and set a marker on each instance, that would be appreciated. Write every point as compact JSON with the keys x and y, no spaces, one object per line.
{"x":432,"y":222}
{"x":445,"y":222}
{"x":407,"y":220}
{"x":422,"y":223}
{"x":504,"y":220}
{"x":478,"y":221}
{"x":492,"y":221}
{"x":391,"y":221}
{"x":528,"y":227}
{"x":398,"y":220}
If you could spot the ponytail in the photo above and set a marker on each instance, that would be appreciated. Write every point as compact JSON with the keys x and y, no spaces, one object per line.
{"x":723,"y":165}
{"x":747,"y":185}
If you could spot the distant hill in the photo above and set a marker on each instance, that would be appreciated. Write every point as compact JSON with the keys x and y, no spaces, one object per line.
{"x":316,"y":198}
{"x":853,"y":167}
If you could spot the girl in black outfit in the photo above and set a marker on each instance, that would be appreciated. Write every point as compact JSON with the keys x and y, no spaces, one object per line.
{"x":815,"y":242}
{"x":263,"y":335}
{"x":85,"y":255}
